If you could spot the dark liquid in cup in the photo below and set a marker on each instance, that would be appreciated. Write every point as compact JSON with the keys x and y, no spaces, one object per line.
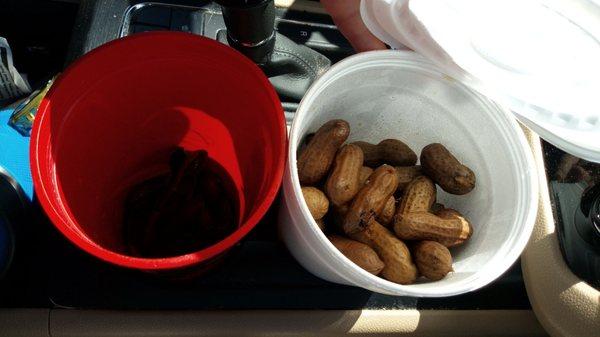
{"x":190,"y":208}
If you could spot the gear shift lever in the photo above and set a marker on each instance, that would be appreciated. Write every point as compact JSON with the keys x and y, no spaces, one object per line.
{"x":251,"y":30}
{"x":250,"y":27}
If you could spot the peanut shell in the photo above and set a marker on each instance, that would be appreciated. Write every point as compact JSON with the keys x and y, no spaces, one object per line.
{"x":443,"y":167}
{"x":344,"y":181}
{"x":433,"y":259}
{"x":315,"y":160}
{"x":359,"y":253}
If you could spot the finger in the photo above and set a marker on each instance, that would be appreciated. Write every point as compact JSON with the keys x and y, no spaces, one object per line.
{"x":346,"y":15}
{"x":360,"y":37}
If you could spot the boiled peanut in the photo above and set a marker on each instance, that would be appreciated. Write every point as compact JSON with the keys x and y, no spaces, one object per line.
{"x":449,"y":213}
{"x":433,"y":259}
{"x":344,"y":181}
{"x":370,"y":151}
{"x":338,"y":213}
{"x":321,"y":224}
{"x":371,"y":199}
{"x":399,"y":267}
{"x":446,"y":213}
{"x":343,"y":209}
{"x":365,"y":173}
{"x":304,"y":143}
{"x":316,"y":159}
{"x":443,"y":167}
{"x":359,"y":253}
{"x":427,"y":226}
{"x":316,"y":201}
{"x":389,"y":151}
{"x":387,"y":213}
{"x":436,"y":208}
{"x":308,"y":138}
{"x":406,"y":174}
{"x":418,"y":196}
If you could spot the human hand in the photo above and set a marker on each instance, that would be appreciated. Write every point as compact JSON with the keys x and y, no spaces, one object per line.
{"x":346,"y":15}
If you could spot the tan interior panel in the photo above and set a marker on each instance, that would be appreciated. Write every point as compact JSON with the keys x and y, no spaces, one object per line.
{"x":81,"y":323}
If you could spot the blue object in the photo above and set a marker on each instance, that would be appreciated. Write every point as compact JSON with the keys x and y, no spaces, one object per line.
{"x":14,"y":154}
{"x":16,"y":185}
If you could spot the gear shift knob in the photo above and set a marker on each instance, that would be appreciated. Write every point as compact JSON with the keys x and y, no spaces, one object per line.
{"x":250,"y":27}
{"x":291,"y":67}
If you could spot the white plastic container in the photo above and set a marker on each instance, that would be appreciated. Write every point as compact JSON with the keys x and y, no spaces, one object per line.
{"x":399,"y":94}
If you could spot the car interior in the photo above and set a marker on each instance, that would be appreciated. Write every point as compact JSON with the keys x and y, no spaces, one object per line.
{"x":51,"y":287}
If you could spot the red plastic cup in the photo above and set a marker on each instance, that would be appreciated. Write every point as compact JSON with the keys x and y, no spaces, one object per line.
{"x":112,"y":119}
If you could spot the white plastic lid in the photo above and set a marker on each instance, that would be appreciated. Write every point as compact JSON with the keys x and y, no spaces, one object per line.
{"x":539,"y":57}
